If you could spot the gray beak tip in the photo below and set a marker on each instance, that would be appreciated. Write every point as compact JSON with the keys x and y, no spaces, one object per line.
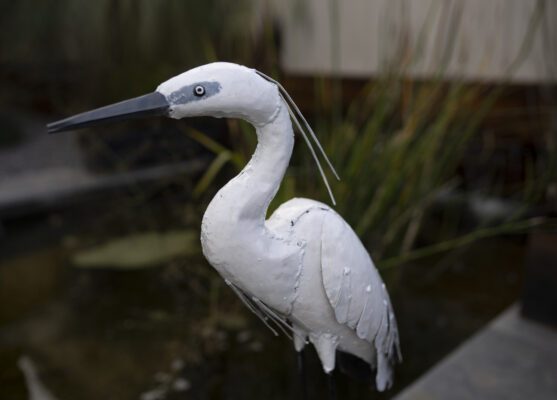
{"x":152,"y":104}
{"x":54,"y":127}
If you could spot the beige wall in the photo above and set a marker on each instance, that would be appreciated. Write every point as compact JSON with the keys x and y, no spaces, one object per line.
{"x":372,"y":33}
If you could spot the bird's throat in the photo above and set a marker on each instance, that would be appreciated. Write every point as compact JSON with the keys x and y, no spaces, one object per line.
{"x":246,"y":198}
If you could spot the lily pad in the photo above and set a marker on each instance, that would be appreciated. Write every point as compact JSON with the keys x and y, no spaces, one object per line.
{"x":143,"y":250}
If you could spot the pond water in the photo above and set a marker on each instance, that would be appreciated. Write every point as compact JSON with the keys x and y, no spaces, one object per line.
{"x":176,"y":331}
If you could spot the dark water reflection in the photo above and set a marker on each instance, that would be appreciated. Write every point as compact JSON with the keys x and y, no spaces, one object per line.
{"x":176,"y":331}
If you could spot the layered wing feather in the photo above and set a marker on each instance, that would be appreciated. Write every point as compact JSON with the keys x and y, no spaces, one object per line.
{"x":357,"y":293}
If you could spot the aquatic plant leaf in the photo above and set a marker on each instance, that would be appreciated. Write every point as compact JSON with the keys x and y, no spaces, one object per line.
{"x":142,"y":250}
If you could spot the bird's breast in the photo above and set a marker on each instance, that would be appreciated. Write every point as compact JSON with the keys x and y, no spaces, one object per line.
{"x":261,"y":263}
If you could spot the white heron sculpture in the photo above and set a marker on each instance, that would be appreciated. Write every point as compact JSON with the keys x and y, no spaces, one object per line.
{"x":302,"y":270}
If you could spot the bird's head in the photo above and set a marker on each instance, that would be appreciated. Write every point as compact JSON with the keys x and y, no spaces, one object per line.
{"x":218,"y":89}
{"x":221,"y":90}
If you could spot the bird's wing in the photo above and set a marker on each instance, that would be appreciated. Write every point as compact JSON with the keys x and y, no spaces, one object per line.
{"x":355,"y":289}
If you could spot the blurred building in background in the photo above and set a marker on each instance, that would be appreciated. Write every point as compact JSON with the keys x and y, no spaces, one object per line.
{"x":493,"y":41}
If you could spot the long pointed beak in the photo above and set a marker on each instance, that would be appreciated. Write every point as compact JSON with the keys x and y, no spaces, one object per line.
{"x":152,"y":104}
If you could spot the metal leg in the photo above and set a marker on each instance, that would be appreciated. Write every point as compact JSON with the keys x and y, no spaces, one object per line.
{"x":332,"y":386}
{"x":302,"y":374}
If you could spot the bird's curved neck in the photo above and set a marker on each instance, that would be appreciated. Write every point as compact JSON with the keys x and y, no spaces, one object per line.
{"x":247,"y":196}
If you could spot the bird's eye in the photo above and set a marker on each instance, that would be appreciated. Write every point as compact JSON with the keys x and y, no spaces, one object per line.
{"x":199,"y":91}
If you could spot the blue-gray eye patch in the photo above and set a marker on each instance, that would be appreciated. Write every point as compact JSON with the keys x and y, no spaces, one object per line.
{"x":194,"y":92}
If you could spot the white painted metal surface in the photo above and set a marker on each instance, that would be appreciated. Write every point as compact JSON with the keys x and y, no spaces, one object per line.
{"x":303,"y":270}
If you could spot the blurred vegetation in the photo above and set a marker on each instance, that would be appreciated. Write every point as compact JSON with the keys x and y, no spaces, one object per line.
{"x":393,"y":166}
{"x":109,"y":49}
{"x":397,"y":145}
{"x":397,"y":148}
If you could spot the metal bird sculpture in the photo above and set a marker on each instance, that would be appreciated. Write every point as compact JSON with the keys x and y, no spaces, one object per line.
{"x":303,"y":270}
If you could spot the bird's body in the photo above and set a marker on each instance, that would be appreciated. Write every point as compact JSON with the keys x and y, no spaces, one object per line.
{"x":303,"y":269}
{"x":304,"y":264}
